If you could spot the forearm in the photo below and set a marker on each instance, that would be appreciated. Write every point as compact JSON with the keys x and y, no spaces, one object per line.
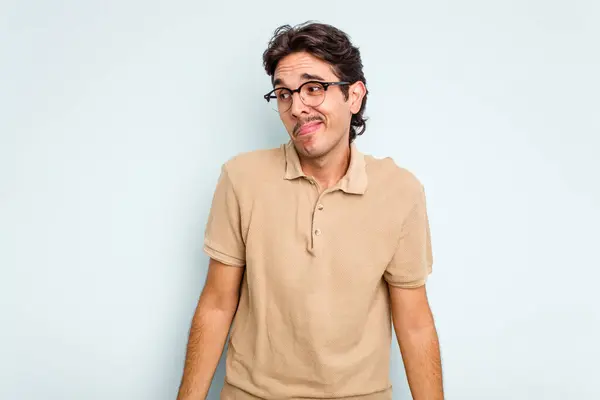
{"x":208,"y":333}
{"x":421,"y":356}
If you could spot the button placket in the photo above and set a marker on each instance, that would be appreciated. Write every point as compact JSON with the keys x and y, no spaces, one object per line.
{"x":317,"y":232}
{"x":317,"y":217}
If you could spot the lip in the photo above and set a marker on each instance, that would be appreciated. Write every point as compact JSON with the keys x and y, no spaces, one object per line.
{"x":309,"y":128}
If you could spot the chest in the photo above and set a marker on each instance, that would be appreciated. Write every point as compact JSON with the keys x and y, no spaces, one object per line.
{"x":303,"y":238}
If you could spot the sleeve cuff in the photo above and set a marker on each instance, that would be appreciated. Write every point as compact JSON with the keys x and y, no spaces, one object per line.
{"x":408,"y":285}
{"x":222,"y":257}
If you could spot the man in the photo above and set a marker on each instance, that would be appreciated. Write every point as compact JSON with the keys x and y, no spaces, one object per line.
{"x":315,"y":248}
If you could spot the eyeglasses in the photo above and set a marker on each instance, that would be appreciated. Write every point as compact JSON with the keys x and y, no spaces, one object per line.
{"x":312,"y":94}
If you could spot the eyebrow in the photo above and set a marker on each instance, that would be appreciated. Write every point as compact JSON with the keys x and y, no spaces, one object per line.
{"x":305,"y":76}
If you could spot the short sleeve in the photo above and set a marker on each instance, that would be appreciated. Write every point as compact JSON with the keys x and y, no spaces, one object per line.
{"x":223,"y":239}
{"x":412,"y":260}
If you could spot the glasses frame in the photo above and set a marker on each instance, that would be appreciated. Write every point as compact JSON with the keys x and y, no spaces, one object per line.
{"x":271,"y":95}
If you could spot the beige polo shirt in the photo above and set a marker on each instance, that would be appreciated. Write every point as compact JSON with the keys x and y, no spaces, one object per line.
{"x":314,"y":319}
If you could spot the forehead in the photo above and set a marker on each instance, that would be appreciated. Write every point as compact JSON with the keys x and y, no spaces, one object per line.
{"x":291,"y":68}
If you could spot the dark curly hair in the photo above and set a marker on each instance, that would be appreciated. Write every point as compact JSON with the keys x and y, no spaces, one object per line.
{"x":328,"y":44}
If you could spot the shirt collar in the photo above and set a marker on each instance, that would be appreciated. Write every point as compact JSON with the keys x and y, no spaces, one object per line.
{"x":354,"y":181}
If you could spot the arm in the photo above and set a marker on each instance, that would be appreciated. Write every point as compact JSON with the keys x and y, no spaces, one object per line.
{"x":418,"y":341}
{"x":210,"y":326}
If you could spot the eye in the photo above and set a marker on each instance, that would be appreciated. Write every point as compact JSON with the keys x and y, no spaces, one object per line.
{"x":282,"y":95}
{"x":314,"y":88}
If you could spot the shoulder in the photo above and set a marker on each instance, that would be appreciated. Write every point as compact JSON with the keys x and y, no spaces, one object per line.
{"x":386,"y":174}
{"x":254,"y":166}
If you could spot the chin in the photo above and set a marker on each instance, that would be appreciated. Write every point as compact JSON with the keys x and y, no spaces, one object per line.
{"x":311,"y":148}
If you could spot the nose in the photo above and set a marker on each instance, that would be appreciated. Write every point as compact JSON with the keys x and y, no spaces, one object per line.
{"x":298,"y":106}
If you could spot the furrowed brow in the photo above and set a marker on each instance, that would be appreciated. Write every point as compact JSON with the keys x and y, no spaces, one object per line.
{"x":305,"y":76}
{"x":311,"y":77}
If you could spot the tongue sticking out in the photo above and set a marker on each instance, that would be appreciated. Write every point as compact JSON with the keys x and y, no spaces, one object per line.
{"x":309,"y":127}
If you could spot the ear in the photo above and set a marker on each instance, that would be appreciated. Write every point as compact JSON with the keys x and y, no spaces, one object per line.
{"x":357,"y":92}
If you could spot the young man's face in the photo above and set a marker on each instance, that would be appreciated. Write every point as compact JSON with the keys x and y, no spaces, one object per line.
{"x":316,"y":130}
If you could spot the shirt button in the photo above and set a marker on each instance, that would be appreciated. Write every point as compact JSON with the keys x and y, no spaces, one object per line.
{"x":320,"y":207}
{"x":317,"y":232}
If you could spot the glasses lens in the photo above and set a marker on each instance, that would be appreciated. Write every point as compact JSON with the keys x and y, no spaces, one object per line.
{"x":312,"y":94}
{"x":281,"y":100}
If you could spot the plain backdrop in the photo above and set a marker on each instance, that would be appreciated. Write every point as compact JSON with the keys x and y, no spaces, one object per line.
{"x":116,"y":116}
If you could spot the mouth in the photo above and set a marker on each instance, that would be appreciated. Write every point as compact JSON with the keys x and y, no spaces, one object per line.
{"x":308,"y":128}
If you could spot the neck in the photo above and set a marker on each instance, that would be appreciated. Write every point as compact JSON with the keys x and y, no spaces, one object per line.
{"x":330,"y":168}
